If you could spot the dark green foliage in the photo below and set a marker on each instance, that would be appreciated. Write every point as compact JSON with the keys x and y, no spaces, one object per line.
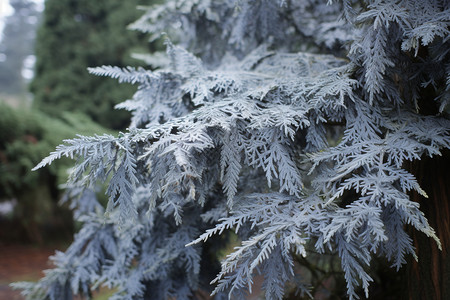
{"x":25,"y":136}
{"x":76,"y":35}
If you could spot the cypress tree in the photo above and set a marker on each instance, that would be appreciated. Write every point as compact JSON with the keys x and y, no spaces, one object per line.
{"x":289,"y":124}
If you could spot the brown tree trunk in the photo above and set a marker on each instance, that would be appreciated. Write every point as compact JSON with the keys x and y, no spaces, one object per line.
{"x":429,"y":278}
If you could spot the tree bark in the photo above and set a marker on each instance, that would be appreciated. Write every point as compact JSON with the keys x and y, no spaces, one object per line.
{"x":429,"y":278}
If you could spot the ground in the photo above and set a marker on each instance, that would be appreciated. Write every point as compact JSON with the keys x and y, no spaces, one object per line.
{"x":21,"y":263}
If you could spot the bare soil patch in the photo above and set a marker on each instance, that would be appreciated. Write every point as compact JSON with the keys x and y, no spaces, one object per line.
{"x":22,"y":263}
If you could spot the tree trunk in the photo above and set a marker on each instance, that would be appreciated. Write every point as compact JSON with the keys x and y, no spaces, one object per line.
{"x":429,"y":278}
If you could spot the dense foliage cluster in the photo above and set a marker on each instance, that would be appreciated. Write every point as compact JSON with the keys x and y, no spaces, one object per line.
{"x":25,"y":137}
{"x":286,"y":122}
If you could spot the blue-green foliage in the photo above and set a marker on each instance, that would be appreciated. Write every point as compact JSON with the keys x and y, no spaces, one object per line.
{"x":236,"y":133}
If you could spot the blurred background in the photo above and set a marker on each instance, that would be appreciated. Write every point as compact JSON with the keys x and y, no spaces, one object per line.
{"x":46,"y":96}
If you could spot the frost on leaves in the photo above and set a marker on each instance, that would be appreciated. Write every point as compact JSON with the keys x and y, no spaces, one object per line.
{"x":284,"y":122}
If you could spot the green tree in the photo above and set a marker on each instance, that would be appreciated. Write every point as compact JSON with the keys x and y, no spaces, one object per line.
{"x":25,"y":136}
{"x":75,"y":35}
{"x":17,"y":44}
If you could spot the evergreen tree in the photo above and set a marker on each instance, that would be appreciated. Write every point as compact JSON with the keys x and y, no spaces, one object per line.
{"x":75,"y":35}
{"x":289,"y":123}
{"x":25,"y":136}
{"x":17,"y":44}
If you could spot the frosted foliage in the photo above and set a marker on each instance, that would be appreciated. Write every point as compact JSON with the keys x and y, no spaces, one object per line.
{"x":288,"y":123}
